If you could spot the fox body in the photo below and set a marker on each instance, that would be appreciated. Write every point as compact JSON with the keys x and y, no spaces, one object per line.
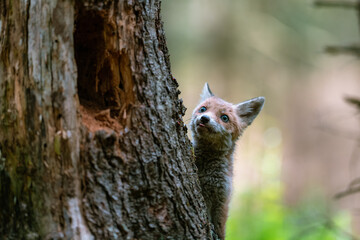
{"x":215,"y":127}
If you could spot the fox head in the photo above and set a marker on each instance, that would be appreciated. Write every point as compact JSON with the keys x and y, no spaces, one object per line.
{"x":216,"y":122}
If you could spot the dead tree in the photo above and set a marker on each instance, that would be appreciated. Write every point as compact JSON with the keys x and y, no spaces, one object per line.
{"x":92,"y":143}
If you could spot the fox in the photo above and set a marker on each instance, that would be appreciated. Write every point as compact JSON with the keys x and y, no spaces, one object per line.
{"x":215,"y":127}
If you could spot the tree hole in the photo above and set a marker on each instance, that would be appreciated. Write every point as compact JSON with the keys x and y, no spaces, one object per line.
{"x":105,"y":85}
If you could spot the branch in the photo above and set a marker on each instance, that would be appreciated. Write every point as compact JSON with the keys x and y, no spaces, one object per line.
{"x":347,"y":192}
{"x":354,"y":101}
{"x":335,"y":50}
{"x":337,"y":3}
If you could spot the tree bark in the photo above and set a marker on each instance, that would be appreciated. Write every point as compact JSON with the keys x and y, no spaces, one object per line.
{"x":92,"y":143}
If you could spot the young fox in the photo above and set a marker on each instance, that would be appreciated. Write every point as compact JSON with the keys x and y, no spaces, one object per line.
{"x":215,"y":126}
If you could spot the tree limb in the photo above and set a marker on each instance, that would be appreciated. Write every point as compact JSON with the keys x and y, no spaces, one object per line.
{"x":347,"y":192}
{"x":335,"y":50}
{"x":337,"y":3}
{"x":354,"y":101}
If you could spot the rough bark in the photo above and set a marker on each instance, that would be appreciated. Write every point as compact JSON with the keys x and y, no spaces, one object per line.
{"x":92,"y":144}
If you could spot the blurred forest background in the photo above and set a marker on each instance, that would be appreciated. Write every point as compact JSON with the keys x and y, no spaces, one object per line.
{"x":304,"y":146}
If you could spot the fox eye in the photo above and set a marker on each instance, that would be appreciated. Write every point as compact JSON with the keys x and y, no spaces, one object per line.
{"x":202,"y":109}
{"x":224,"y":118}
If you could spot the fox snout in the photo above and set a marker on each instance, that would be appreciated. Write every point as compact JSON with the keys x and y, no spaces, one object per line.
{"x":204,"y":119}
{"x":207,"y":124}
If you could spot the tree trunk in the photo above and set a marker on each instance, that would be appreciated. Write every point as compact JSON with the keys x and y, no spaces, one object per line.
{"x":92,"y":144}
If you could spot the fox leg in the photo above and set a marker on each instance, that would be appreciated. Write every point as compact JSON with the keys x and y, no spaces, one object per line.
{"x":219,"y":216}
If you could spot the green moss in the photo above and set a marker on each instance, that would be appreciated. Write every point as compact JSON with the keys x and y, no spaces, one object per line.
{"x":18,"y":166}
{"x":28,"y":163}
{"x":2,"y":162}
{"x":57,"y":144}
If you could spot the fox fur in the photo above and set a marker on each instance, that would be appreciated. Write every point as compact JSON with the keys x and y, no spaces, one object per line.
{"x":214,"y":138}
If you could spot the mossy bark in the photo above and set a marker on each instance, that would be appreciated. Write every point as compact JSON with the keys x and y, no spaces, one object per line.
{"x":92,"y":144}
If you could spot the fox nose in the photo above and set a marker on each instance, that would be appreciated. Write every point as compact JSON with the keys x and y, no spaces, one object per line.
{"x":204,"y":119}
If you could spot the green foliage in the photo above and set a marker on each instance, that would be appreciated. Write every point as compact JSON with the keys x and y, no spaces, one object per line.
{"x":260,"y":215}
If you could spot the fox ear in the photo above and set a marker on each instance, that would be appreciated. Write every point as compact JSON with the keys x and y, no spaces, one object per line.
{"x":248,"y":110}
{"x":206,"y":93}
